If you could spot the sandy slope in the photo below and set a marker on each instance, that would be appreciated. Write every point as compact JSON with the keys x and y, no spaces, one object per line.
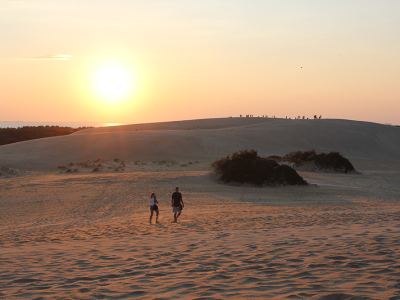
{"x":361,"y":140}
{"x":85,"y":235}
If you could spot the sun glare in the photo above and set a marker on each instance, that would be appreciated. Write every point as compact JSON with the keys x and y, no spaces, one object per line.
{"x":113,"y":83}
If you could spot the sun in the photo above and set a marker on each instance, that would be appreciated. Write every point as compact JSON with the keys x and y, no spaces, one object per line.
{"x":113,"y":83}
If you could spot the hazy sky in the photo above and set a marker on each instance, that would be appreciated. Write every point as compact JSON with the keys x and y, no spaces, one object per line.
{"x":156,"y":60}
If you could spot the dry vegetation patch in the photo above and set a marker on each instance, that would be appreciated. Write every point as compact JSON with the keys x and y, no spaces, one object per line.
{"x":95,"y":165}
{"x":6,"y":172}
{"x":115,"y":165}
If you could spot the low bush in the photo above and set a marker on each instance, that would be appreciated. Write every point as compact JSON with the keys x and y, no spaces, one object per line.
{"x":295,"y":158}
{"x":329,"y":161}
{"x":287,"y":175}
{"x":275,"y":158}
{"x":334,"y":161}
{"x":246,"y":167}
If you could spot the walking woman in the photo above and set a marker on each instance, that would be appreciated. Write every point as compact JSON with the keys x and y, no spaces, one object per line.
{"x":153,"y":206}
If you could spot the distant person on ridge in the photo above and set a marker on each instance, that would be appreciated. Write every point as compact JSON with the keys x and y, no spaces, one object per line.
{"x":177,"y":204}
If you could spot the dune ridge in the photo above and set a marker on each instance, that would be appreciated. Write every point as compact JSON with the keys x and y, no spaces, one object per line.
{"x":354,"y":139}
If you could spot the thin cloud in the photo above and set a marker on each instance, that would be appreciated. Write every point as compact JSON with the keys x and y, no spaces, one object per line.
{"x":48,"y":57}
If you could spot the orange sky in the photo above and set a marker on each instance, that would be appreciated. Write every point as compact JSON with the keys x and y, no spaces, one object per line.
{"x":199,"y":59}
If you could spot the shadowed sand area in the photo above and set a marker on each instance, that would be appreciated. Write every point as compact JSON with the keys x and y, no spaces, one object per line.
{"x":85,"y":235}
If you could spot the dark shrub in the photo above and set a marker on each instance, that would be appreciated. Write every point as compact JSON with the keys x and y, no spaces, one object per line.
{"x":246,"y":167}
{"x":276,"y":158}
{"x":295,"y":158}
{"x":331,"y":161}
{"x":334,"y":161}
{"x":287,"y":175}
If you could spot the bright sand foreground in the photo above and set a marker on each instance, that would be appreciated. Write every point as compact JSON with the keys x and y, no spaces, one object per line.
{"x":85,"y":235}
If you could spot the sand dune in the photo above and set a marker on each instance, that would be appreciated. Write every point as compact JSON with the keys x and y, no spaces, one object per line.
{"x":216,"y":138}
{"x":86,"y":235}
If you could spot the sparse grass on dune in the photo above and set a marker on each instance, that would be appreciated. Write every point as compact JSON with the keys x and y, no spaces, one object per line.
{"x":7,"y":172}
{"x":109,"y":165}
{"x":164,"y":162}
{"x":97,"y":165}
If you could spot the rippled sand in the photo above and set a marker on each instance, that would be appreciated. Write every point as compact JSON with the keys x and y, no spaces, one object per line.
{"x":86,"y":236}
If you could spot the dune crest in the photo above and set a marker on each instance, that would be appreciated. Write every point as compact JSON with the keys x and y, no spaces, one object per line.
{"x":215,"y":138}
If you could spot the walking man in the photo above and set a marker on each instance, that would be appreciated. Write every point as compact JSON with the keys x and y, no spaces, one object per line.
{"x":177,"y":204}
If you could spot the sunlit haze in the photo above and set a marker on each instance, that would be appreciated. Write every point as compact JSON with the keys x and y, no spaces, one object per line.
{"x":113,"y":83}
{"x":148,"y":61}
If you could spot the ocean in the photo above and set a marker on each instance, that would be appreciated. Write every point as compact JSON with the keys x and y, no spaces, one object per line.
{"x":16,"y":124}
